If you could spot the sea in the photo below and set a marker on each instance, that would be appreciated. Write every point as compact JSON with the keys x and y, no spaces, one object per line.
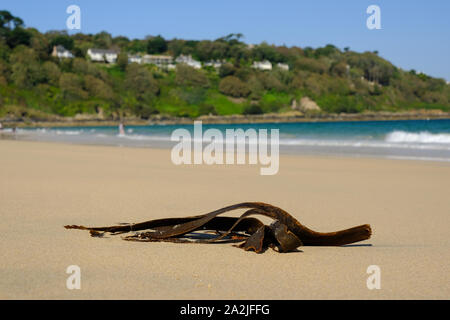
{"x":395,"y":139}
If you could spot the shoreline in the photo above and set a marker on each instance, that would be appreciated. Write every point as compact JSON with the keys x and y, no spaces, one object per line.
{"x":283,"y":152}
{"x":291,"y":117}
{"x":413,"y":140}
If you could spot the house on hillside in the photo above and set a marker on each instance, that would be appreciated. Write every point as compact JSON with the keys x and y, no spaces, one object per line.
{"x":283,"y":66}
{"x":262,"y":65}
{"x":103,"y":55}
{"x":213,"y":63}
{"x":60,"y":52}
{"x":161,"y":61}
{"x":134,"y":58}
{"x":189,"y":61}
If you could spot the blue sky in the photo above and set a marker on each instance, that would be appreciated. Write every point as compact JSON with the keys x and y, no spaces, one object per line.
{"x":414,"y":34}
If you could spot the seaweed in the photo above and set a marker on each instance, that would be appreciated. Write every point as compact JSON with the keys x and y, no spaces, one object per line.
{"x":285,"y":234}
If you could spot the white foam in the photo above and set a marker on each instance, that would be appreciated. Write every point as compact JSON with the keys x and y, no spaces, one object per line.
{"x":69,"y":132}
{"x":143,"y":137}
{"x":360,"y":144}
{"x":419,"y":158}
{"x":421,"y":137}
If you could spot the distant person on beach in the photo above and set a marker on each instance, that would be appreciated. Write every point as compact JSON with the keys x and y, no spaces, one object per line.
{"x":1,"y":127}
{"x":121,"y":129}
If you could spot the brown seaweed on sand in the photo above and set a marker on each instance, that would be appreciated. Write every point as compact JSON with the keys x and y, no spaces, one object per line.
{"x":285,"y":234}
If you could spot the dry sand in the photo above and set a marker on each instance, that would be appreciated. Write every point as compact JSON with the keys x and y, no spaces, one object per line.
{"x":44,"y":186}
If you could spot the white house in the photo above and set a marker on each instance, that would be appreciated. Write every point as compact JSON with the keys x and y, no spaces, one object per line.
{"x":161,"y":61}
{"x":189,"y":61}
{"x":262,"y":65}
{"x":213,"y":63}
{"x":103,"y":55}
{"x":283,"y":66}
{"x":61,"y":52}
{"x":134,"y":58}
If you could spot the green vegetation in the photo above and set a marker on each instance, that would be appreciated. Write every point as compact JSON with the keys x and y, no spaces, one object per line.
{"x":34,"y":83}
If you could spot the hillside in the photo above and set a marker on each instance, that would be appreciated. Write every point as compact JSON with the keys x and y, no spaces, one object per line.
{"x":36,"y":85}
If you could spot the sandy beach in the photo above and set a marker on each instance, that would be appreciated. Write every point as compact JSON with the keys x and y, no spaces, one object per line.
{"x":44,"y":186}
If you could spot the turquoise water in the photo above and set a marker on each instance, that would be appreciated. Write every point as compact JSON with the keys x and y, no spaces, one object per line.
{"x":413,"y":139}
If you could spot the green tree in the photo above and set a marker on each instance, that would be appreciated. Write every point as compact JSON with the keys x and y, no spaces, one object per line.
{"x":156,"y":45}
{"x":327,"y":51}
{"x":97,"y":88}
{"x":18,"y":36}
{"x":4,"y":73}
{"x":256,"y":88}
{"x":62,"y":40}
{"x":8,"y":21}
{"x":226,"y":69}
{"x":40,"y":44}
{"x":72,"y":86}
{"x":252,"y":109}
{"x":270,"y":81}
{"x":80,"y":66}
{"x":375,"y":68}
{"x":136,"y":45}
{"x":5,"y":51}
{"x":140,"y":81}
{"x":121,"y":41}
{"x":103,"y":40}
{"x":211,"y":50}
{"x":11,"y":28}
{"x":311,"y":64}
{"x":188,"y":76}
{"x":233,"y":86}
{"x":339,"y":69}
{"x":51,"y":73}
{"x":25,"y":67}
{"x":122,"y":60}
{"x":267,"y":52}
{"x":176,"y":47}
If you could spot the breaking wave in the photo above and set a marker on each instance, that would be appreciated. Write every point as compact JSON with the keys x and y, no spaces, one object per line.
{"x":421,"y":137}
